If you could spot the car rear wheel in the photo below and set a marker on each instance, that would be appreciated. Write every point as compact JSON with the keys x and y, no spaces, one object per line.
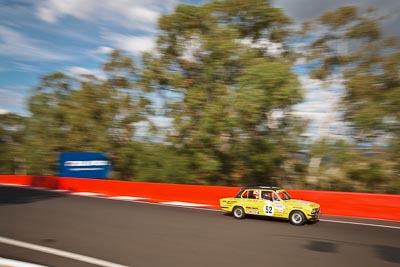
{"x":238,"y":212}
{"x":297,"y":218}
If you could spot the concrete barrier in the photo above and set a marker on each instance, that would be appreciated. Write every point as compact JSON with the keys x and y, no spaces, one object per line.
{"x":364,"y":205}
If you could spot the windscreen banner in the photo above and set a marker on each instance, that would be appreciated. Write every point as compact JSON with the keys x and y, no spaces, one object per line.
{"x":84,"y":165}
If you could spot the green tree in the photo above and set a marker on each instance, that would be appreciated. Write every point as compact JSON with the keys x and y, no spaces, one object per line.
{"x":46,"y":131}
{"x":349,"y":41}
{"x":84,"y":114}
{"x":223,"y":89}
{"x":12,"y":138}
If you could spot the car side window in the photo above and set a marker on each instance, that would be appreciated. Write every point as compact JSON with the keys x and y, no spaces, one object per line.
{"x":252,"y":194}
{"x":266,"y":195}
{"x":275,"y":197}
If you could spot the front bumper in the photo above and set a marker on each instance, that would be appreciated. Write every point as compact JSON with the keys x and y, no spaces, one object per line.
{"x":314,"y":216}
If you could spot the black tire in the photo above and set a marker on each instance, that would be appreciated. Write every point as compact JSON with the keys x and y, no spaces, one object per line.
{"x":238,"y":212}
{"x":297,"y":218}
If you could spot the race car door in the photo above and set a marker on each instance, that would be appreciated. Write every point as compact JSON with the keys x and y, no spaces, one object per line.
{"x":272,"y":205}
{"x":278,"y":205}
{"x":251,"y":201}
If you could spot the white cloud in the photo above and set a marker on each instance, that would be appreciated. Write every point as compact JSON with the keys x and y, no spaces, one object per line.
{"x":10,"y":101}
{"x":317,"y":106}
{"x":161,"y":121}
{"x":78,"y":71}
{"x":163,"y":124}
{"x":13,"y":43}
{"x":52,"y":10}
{"x":22,"y":67}
{"x":134,"y":14}
{"x":320,"y":106}
{"x":270,"y":48}
{"x":142,"y":13}
{"x":309,"y":83}
{"x":132,"y":44}
{"x":191,"y":47}
{"x":3,"y":111}
{"x":104,"y":50}
{"x":323,"y":91}
{"x":316,"y":116}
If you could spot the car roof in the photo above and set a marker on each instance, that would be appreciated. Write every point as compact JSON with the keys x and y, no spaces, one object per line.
{"x":273,"y":188}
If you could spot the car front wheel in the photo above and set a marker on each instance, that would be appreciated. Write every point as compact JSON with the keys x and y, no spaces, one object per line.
{"x":238,"y":212}
{"x":297,"y":218}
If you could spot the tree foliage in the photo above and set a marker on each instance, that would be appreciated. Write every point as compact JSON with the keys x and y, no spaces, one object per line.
{"x":12,"y":136}
{"x":223,"y":119}
{"x":84,"y":113}
{"x":349,"y":41}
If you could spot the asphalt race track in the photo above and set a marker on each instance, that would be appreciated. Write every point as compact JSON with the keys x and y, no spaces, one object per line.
{"x":146,"y":235}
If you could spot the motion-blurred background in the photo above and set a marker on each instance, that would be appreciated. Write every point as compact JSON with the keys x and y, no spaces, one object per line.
{"x":300,"y":94}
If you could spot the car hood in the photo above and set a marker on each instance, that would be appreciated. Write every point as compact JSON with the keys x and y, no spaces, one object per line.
{"x":299,"y":202}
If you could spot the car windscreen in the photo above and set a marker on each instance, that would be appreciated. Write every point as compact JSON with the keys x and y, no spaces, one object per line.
{"x":284,"y":195}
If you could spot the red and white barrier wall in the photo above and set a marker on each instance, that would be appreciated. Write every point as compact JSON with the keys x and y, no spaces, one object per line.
{"x":364,"y":205}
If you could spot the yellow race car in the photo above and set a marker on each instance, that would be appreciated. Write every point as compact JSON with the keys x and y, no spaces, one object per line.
{"x":272,"y":202}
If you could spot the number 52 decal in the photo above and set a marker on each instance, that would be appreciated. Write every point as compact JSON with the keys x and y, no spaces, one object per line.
{"x":269,"y":210}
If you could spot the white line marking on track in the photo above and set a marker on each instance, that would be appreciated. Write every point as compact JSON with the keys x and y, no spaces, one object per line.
{"x":60,"y":191}
{"x":200,"y":206}
{"x":39,"y":188}
{"x":87,"y":194}
{"x":217,"y":210}
{"x":60,"y":253}
{"x":128,"y":198}
{"x":196,"y":206}
{"x":12,"y":263}
{"x":365,"y":224}
{"x":185,"y":204}
{"x":181,"y":207}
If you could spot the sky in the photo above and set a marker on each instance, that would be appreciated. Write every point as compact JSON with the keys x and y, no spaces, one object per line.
{"x":74,"y":37}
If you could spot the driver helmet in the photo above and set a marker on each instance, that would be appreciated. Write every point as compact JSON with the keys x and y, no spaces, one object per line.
{"x":255,"y":193}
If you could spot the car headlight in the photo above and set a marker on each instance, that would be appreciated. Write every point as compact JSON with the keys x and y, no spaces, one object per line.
{"x":314,"y":211}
